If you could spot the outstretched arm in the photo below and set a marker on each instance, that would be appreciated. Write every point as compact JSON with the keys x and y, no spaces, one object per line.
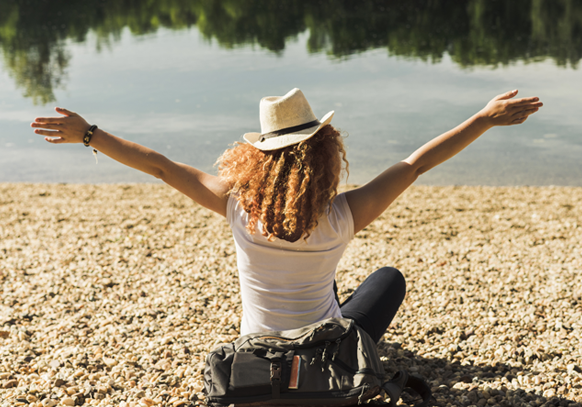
{"x":208,"y":190}
{"x":369,"y":201}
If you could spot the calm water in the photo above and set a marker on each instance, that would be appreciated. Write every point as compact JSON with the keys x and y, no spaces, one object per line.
{"x":190,"y":92}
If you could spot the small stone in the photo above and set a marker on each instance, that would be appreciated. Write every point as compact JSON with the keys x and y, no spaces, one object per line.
{"x":8,"y":384}
{"x":31,"y":398}
{"x":107,"y":282}
{"x":466,"y":379}
{"x":55,"y":364}
{"x":58,"y":382}
{"x":68,"y":401}
{"x":79,"y":399}
{"x":110,"y":362}
{"x":146,"y":402}
{"x":473,"y":396}
{"x":4,"y":334}
{"x":49,"y":403}
{"x":549,"y":393}
{"x":23,"y":336}
{"x":140,"y":394}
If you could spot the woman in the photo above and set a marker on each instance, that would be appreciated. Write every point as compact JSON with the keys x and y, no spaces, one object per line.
{"x":278,"y":192}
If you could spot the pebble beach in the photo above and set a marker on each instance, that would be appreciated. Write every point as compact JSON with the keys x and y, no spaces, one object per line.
{"x":111,"y":295}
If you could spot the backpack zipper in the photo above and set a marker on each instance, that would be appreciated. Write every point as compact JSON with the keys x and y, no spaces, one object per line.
{"x":309,"y":345}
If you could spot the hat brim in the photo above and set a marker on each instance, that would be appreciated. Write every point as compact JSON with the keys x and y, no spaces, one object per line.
{"x":286,"y":140}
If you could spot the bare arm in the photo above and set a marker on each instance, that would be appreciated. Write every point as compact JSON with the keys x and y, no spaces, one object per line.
{"x":369,"y":201}
{"x":208,"y":190}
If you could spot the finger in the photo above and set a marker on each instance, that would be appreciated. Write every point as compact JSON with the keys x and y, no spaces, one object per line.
{"x":506,"y":95}
{"x":55,"y":140}
{"x":52,"y":133}
{"x":525,"y":101}
{"x":48,"y":120}
{"x":531,"y":108}
{"x":531,"y":111}
{"x":65,"y":111}
{"x":46,"y":125}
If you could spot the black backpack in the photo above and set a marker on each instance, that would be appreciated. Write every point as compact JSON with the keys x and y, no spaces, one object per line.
{"x":330,"y":363}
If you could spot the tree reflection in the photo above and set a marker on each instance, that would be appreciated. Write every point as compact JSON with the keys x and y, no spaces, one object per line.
{"x":34,"y":33}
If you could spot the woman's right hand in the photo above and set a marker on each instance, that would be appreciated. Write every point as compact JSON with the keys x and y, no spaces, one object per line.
{"x":68,"y":128}
{"x":503,"y":110}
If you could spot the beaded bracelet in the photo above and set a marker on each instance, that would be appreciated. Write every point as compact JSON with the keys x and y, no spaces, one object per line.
{"x":88,"y":135}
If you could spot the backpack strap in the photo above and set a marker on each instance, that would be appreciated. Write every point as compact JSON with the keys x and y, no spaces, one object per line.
{"x":403,"y":380}
{"x":276,"y":378}
{"x":276,"y":372}
{"x":419,"y":386}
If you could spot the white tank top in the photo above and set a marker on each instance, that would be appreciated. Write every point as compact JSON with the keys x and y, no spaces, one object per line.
{"x":286,"y":285}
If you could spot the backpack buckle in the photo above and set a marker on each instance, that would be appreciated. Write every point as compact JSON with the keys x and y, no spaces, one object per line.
{"x":275,"y":371}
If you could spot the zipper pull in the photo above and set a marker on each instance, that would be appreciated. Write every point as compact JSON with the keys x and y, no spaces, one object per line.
{"x":316,"y":357}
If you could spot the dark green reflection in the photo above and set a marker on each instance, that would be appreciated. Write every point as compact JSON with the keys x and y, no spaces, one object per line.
{"x":473,"y":32}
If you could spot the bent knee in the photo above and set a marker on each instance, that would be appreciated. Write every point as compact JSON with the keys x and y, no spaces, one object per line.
{"x":393,"y":277}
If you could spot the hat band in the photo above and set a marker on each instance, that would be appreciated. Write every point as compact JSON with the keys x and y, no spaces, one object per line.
{"x":288,"y":130}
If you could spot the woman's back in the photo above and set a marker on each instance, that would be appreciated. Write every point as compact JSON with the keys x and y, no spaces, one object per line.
{"x":287,"y":285}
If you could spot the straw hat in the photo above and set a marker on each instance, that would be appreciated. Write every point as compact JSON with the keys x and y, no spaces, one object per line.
{"x":285,"y":120}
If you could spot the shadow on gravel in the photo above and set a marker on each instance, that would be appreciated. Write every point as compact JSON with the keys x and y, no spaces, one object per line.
{"x":469,"y":385}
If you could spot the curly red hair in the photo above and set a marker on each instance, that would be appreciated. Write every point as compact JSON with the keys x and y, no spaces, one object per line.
{"x":286,"y":189}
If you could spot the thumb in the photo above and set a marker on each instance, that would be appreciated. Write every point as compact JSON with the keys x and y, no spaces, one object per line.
{"x":507,"y":95}
{"x":65,"y":111}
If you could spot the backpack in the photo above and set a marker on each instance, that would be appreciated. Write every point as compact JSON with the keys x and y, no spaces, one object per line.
{"x":330,"y":363}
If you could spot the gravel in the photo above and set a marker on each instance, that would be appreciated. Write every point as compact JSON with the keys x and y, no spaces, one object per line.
{"x":111,"y":295}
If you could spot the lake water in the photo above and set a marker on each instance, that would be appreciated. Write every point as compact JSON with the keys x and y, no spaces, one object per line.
{"x":190,"y":97}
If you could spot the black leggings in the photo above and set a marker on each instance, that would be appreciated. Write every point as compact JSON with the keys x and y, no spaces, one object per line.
{"x":374,"y":303}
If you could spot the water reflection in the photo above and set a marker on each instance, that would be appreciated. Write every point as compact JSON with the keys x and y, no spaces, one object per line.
{"x":34,"y":33}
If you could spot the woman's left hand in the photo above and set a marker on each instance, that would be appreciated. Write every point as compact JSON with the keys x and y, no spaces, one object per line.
{"x":68,"y":128}
{"x":503,"y":110}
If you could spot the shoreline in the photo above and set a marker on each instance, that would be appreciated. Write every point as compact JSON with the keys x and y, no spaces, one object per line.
{"x":115,"y":292}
